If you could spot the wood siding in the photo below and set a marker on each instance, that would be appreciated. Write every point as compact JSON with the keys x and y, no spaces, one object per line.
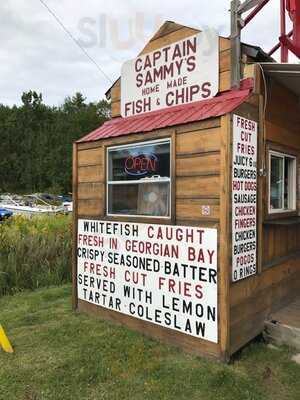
{"x":282,"y":134}
{"x":197,"y":171}
{"x":198,"y":181}
{"x":202,"y":177}
{"x":278,"y":280}
{"x":254,"y":299}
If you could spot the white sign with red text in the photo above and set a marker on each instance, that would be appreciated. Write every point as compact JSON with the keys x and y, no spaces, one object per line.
{"x":179,"y":73}
{"x":165,"y":275}
{"x":244,"y":198}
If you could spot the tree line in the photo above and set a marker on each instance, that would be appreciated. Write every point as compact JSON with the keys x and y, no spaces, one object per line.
{"x":36,"y":141}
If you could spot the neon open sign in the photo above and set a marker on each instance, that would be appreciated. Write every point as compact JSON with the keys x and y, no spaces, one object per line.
{"x":141,"y":164}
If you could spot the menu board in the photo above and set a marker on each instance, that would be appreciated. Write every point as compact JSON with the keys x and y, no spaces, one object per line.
{"x":244,"y":198}
{"x":165,"y":275}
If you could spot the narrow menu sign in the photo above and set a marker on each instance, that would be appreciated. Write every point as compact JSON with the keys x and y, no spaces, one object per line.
{"x":244,"y":198}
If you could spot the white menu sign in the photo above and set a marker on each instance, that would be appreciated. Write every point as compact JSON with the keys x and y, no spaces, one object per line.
{"x":244,"y":198}
{"x":165,"y":275}
{"x":182,"y":72}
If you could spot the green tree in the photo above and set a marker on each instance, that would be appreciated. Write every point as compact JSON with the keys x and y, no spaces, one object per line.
{"x":36,"y":141}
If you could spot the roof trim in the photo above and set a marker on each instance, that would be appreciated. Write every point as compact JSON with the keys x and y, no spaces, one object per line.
{"x":222,"y":104}
{"x":257,"y":52}
{"x":288,"y":75}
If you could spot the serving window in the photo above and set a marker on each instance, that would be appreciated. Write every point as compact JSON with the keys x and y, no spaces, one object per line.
{"x":139,"y":179}
{"x":282,"y":182}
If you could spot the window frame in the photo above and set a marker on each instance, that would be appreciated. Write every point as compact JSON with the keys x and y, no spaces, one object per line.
{"x":293,"y":190}
{"x":137,"y":182}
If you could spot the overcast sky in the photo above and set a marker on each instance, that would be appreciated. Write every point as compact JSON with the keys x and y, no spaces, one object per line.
{"x":35,"y":52}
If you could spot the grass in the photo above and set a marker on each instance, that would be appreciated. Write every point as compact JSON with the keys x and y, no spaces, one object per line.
{"x":34,"y":252}
{"x":63,"y":355}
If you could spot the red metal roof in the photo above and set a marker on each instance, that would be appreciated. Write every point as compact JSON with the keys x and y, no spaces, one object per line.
{"x":183,"y":114}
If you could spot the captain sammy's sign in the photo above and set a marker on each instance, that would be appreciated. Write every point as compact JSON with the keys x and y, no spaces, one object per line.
{"x":165,"y":275}
{"x":180,"y":73}
{"x":244,"y":198}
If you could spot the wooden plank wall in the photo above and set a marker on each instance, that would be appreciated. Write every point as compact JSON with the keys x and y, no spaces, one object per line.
{"x":254,"y":299}
{"x":199,"y":182}
{"x":170,"y":33}
{"x":90,"y":188}
{"x":197,"y":172}
{"x":282,"y":131}
{"x":278,"y":281}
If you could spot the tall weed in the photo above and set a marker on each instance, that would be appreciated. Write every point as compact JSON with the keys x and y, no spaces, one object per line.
{"x":34,"y":252}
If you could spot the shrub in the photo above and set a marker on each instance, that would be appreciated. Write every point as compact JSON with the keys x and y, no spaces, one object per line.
{"x":34,"y":252}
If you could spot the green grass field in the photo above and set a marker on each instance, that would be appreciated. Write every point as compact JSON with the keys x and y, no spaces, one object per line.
{"x":62,"y":355}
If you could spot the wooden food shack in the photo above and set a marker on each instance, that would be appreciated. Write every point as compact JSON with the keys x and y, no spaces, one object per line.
{"x":186,"y":202}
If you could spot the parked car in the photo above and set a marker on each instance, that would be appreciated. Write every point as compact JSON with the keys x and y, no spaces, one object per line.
{"x":47,"y":196}
{"x":4,"y":214}
{"x":65,"y":198}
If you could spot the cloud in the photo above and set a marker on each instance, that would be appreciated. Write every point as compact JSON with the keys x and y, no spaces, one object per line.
{"x":36,"y":53}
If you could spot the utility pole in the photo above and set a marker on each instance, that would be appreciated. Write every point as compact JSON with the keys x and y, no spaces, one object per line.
{"x":287,"y":42}
{"x":235,"y":39}
{"x":237,"y":24}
